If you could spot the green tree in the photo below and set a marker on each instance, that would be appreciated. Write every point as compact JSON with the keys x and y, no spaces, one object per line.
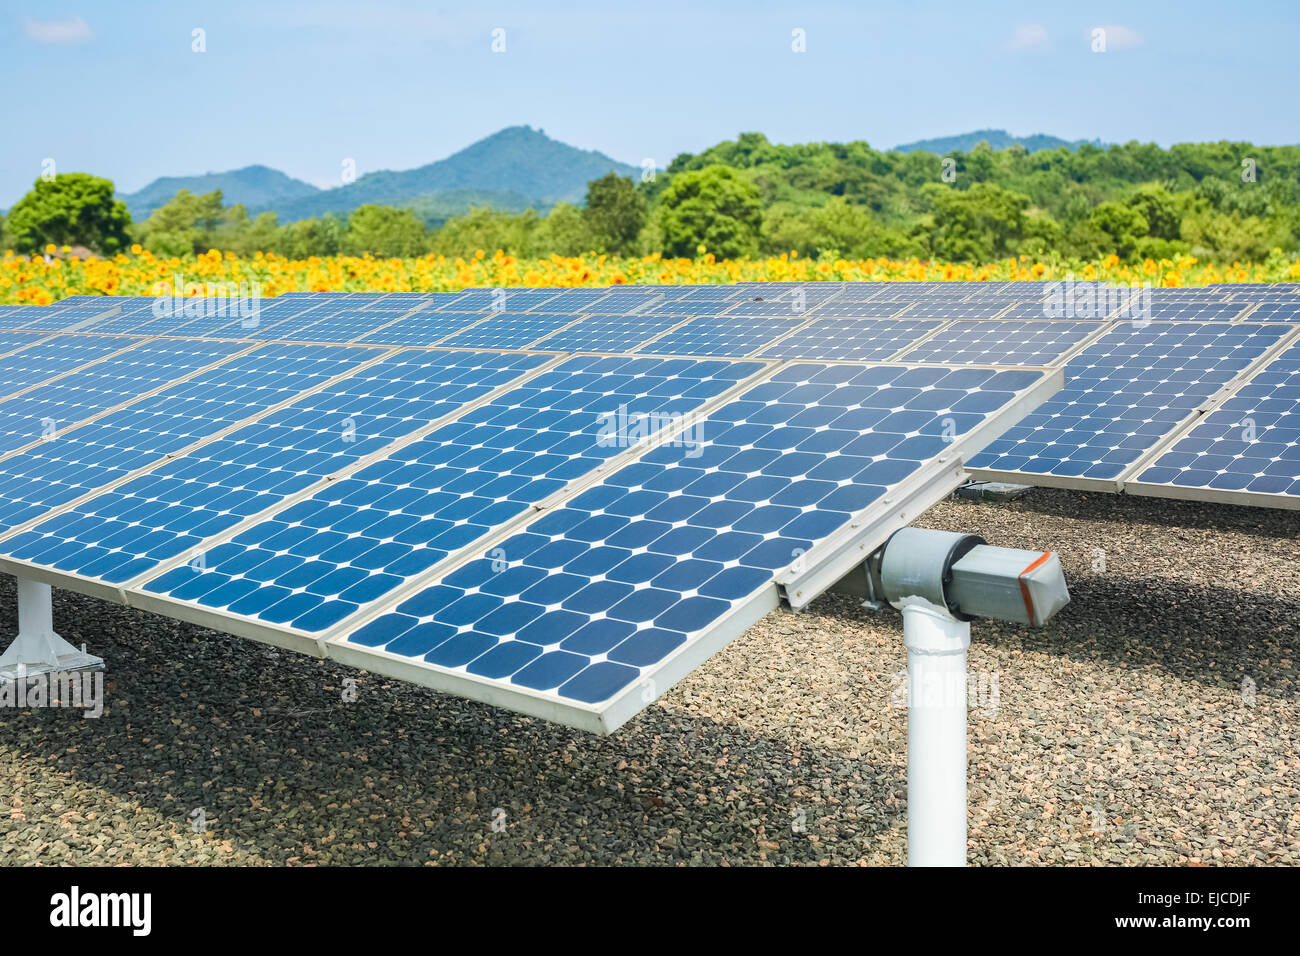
{"x":70,"y":209}
{"x":615,"y":213}
{"x":1122,"y":226}
{"x":312,"y":237}
{"x":979,"y":224}
{"x":1232,"y":238}
{"x":486,"y":229}
{"x":713,"y":207}
{"x":184,"y":224}
{"x":1042,"y":235}
{"x":564,"y":231}
{"x":1159,"y":208}
{"x":836,"y":227}
{"x":384,"y":231}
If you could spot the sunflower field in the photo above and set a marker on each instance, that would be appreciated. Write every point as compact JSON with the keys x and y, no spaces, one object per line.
{"x":44,"y":279}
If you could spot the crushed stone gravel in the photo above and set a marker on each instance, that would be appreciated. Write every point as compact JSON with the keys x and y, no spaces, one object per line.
{"x":1155,"y":721}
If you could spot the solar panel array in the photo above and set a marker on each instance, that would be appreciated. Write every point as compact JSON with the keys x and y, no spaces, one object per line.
{"x":564,"y":500}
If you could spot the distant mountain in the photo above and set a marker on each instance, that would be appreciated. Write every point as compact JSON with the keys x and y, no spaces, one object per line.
{"x":997,"y":138}
{"x":511,"y":169}
{"x":254,"y":186}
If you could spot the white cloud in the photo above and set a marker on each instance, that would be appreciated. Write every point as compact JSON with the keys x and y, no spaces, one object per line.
{"x":59,"y":32}
{"x":1029,"y":36}
{"x":1118,"y":37}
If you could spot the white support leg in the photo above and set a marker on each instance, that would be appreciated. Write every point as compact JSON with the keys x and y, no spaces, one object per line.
{"x":936,"y":734}
{"x":38,"y":649}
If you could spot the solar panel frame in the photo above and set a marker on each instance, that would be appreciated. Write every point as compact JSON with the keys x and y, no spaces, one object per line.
{"x":1274,"y":311}
{"x":422,"y":329}
{"x":851,"y":340}
{"x":998,"y":467}
{"x":721,"y":337}
{"x":830,"y":558}
{"x":1055,"y":341}
{"x":1248,"y":400}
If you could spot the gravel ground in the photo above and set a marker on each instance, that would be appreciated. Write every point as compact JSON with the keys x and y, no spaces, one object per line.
{"x":1122,"y":734}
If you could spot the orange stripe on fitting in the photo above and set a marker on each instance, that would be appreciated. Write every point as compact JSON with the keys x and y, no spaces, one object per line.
{"x":1024,"y":588}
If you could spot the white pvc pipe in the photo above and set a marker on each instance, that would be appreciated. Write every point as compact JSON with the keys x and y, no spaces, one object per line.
{"x":936,"y":734}
{"x":35,"y":607}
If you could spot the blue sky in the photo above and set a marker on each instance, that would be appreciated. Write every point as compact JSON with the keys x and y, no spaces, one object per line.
{"x":115,"y":89}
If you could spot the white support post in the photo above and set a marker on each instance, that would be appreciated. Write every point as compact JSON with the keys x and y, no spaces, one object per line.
{"x":936,"y":734}
{"x":38,"y":649}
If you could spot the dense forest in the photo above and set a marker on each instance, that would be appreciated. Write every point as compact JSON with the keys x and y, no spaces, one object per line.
{"x":1219,"y":201}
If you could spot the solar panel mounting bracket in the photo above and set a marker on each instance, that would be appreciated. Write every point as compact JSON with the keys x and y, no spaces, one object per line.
{"x":817,"y":570}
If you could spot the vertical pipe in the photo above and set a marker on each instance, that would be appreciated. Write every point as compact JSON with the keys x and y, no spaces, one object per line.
{"x":35,"y":614}
{"x":936,"y":735}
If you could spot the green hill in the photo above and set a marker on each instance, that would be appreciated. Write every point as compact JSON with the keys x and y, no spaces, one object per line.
{"x":511,"y":169}
{"x":254,"y":186}
{"x":997,"y":138}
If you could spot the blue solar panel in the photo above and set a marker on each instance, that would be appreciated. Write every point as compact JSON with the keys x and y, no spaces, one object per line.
{"x":625,"y":303}
{"x":603,"y":333}
{"x":857,"y":309}
{"x":337,"y":327}
{"x":592,"y":597}
{"x":722,"y":336}
{"x":1156,"y":310}
{"x":709,"y":294}
{"x":509,"y":330}
{"x":56,"y":472}
{"x":1124,"y":393}
{"x":51,"y":407}
{"x":54,"y":356}
{"x":259,"y":465}
{"x":399,"y":301}
{"x":955,"y":310}
{"x":421,"y":328}
{"x":80,"y":300}
{"x":319,"y":560}
{"x":780,"y":308}
{"x":1250,"y":443}
{"x":198,"y":315}
{"x":499,"y":300}
{"x":1045,"y":309}
{"x":58,"y":320}
{"x":570,"y":303}
{"x":12,"y":341}
{"x":850,"y":340}
{"x":144,"y":316}
{"x":679,"y":310}
{"x":1276,"y":312}
{"x":1001,"y":342}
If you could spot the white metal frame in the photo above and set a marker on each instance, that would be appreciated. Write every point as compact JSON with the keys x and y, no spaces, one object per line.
{"x":38,"y":649}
